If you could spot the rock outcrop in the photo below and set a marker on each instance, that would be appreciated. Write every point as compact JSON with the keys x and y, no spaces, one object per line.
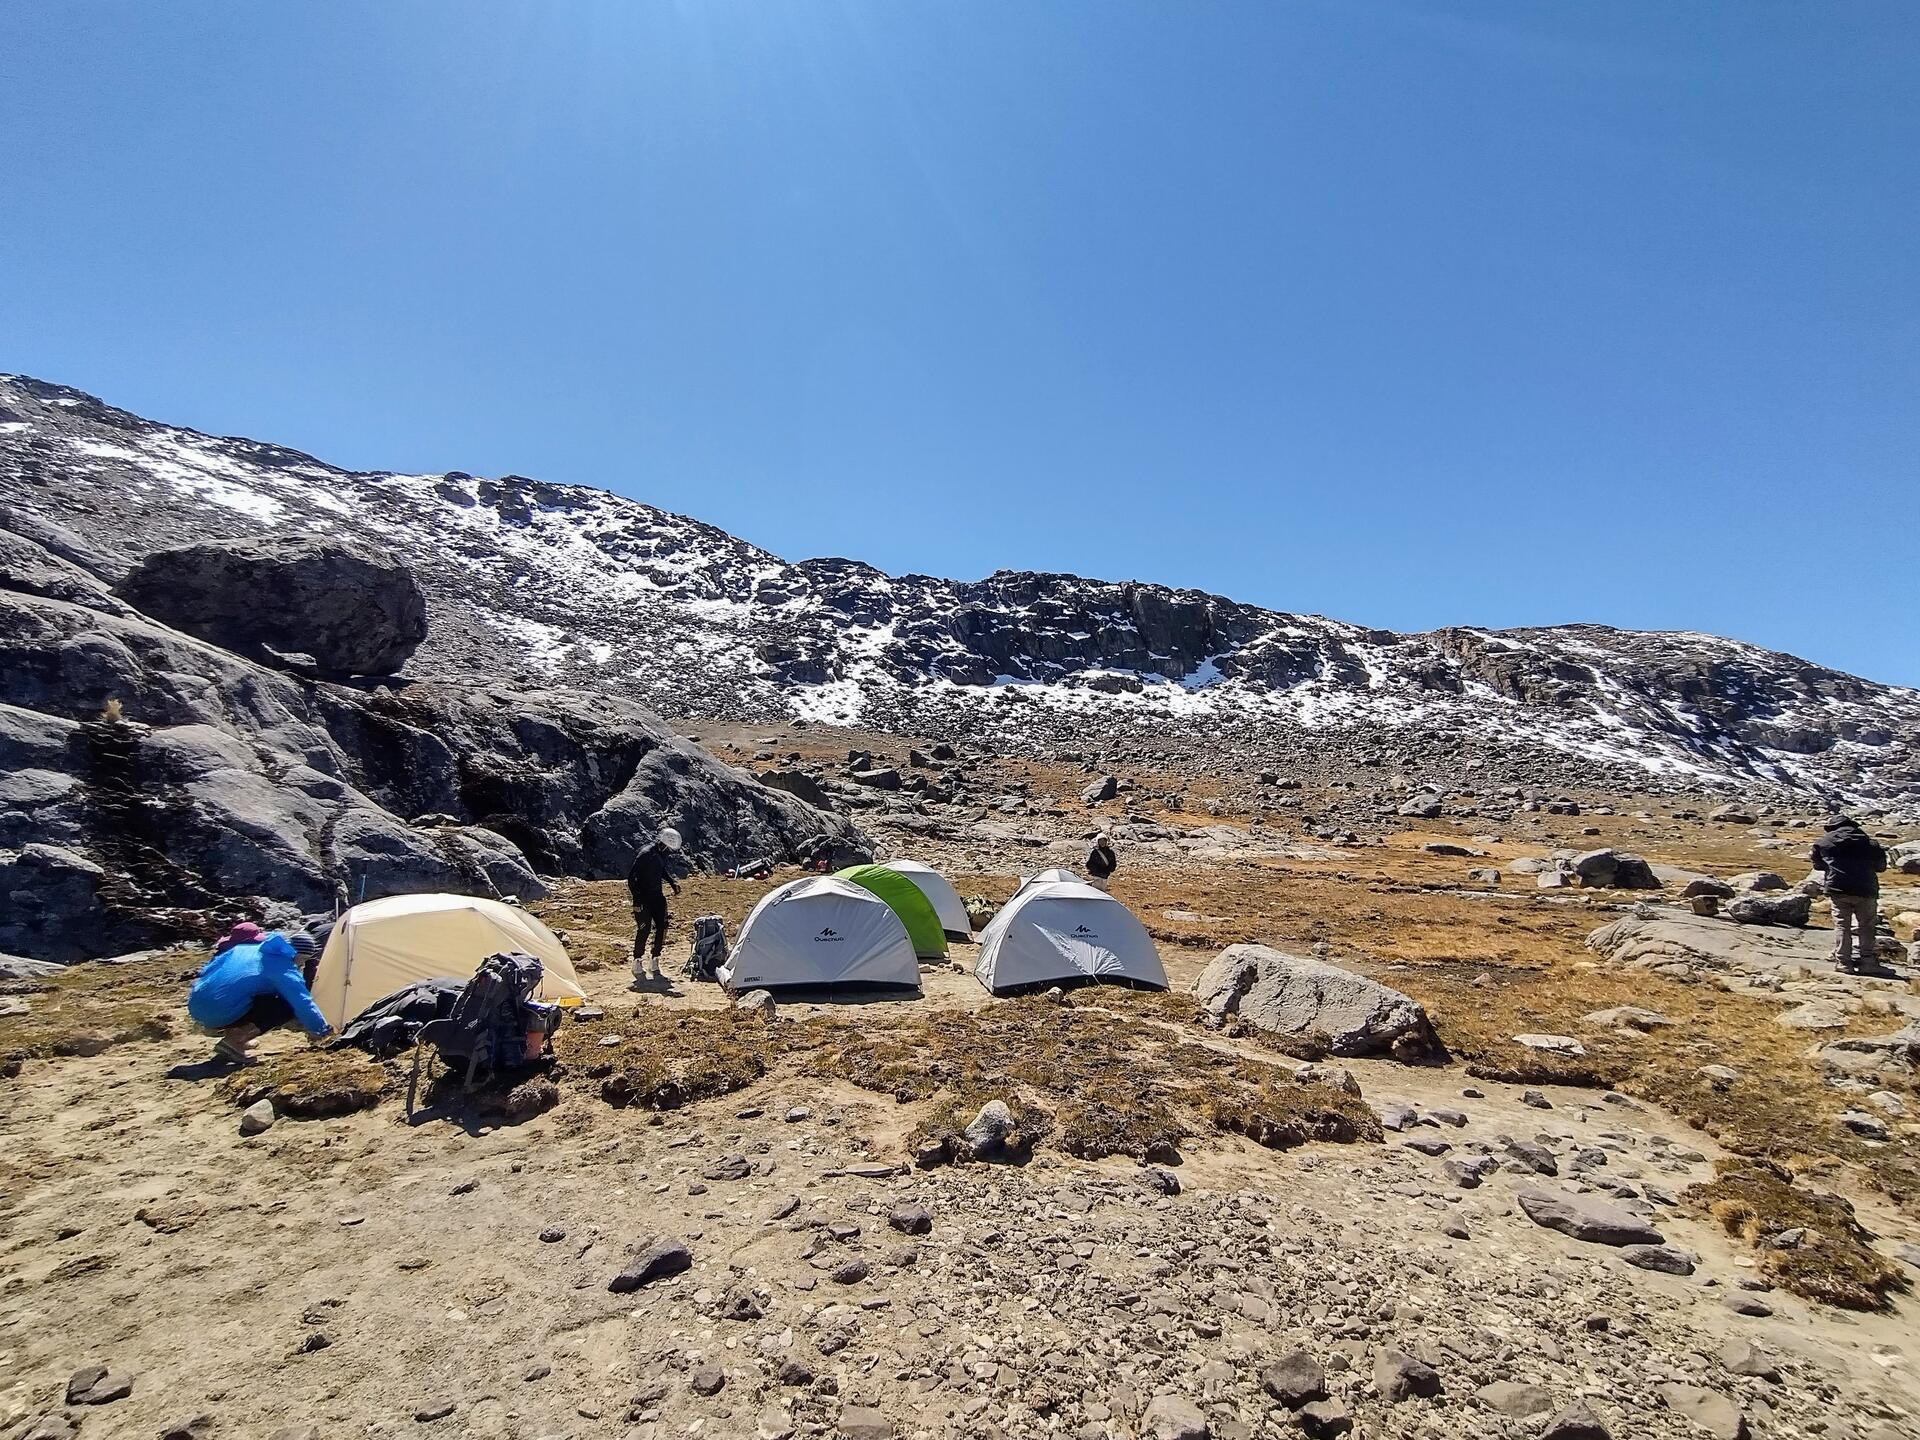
{"x":153,"y":783}
{"x":1321,"y":1007}
{"x":351,"y":607}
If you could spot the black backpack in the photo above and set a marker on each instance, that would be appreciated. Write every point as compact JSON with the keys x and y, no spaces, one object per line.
{"x":489,"y":1026}
{"x":709,"y":948}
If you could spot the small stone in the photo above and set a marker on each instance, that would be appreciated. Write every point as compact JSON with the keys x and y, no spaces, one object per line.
{"x":552,"y":1235}
{"x":862,"y":1422}
{"x":1742,"y":1303}
{"x":1294,"y":1379}
{"x":911,"y":1219}
{"x":198,"y":1427}
{"x":439,"y":1410}
{"x":1158,"y":1179}
{"x":1172,"y":1417}
{"x":851,"y":1272}
{"x":98,"y":1385}
{"x":540,"y":1370}
{"x":1537,"y":1100}
{"x":798,"y":1113}
{"x":1323,"y":1419}
{"x":1576,"y":1422}
{"x":1516,"y":1401}
{"x":707,"y":1379}
{"x":1708,"y":1409}
{"x":1742,"y":1357}
{"x":656,"y":1261}
{"x":1668,"y":1259}
{"x":257,"y":1117}
{"x":1454,"y":1229}
{"x":1398,"y":1376}
{"x":795,"y":1372}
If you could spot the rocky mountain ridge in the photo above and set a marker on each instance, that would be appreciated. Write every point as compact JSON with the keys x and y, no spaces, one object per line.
{"x":569,"y":585}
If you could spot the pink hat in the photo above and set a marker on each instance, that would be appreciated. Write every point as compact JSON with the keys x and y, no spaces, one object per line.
{"x":246,"y":933}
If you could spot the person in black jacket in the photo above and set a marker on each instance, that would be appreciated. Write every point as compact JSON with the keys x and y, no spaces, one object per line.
{"x":1849,"y":862}
{"x":647,"y":883}
{"x":1101,"y":862}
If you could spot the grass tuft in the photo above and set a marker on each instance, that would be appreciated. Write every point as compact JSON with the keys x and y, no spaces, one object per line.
{"x":1832,"y":1259}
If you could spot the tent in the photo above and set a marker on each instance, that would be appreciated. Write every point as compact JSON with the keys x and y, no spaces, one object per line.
{"x":380,"y":945}
{"x":1054,"y":930}
{"x":1050,"y":877}
{"x":821,"y":930}
{"x":940,"y":894}
{"x":905,"y":899}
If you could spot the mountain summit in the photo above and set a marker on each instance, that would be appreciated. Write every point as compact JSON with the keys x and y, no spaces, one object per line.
{"x":566,"y":584}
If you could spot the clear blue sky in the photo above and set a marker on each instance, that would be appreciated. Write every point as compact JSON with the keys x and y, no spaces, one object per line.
{"x":1408,"y":313}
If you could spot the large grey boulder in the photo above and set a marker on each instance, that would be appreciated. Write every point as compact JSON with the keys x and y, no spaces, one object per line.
{"x":351,"y":607}
{"x":1586,"y":1218}
{"x":1322,"y":1006}
{"x":1614,"y":870}
{"x":1785,"y":908}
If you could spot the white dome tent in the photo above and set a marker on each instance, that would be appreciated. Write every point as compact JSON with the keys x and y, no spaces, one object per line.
{"x":380,"y":945}
{"x":821,"y":931}
{"x":940,"y":894}
{"x":1057,"y":930}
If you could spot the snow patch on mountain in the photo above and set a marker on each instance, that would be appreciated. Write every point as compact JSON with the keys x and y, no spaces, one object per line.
{"x":578,"y":586}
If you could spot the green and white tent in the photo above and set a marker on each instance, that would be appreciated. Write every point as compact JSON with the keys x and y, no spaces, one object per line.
{"x":906,"y":900}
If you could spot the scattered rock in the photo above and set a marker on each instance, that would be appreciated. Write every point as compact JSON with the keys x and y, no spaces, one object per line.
{"x":1588,"y":1219}
{"x":1170,"y":1417}
{"x":1668,"y":1259}
{"x":1708,"y":1409}
{"x":911,"y":1219}
{"x":1787,"y":910}
{"x":1576,"y":1422}
{"x":1294,"y":1379}
{"x":1324,"y":1419}
{"x":1515,"y":1400}
{"x":1399,"y":1376}
{"x":656,"y":1261}
{"x":98,"y":1385}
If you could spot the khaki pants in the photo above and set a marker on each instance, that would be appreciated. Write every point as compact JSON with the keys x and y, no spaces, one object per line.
{"x":1099,"y":882}
{"x":1855,"y":918}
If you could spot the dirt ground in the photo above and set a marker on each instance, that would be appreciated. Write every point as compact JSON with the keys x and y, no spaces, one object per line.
{"x":353,"y":1273}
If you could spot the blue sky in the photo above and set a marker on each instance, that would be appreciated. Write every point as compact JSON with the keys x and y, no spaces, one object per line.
{"x":1408,"y":313}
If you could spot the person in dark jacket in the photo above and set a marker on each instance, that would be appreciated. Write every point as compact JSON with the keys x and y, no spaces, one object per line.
{"x":1849,"y":862}
{"x":251,"y":987}
{"x":1101,"y":862}
{"x":647,"y":884}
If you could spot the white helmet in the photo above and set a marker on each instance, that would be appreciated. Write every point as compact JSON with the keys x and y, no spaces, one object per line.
{"x":670,"y":837}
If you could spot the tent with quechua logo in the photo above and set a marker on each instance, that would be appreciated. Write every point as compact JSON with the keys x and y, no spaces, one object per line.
{"x":821,"y":930}
{"x":1055,"y":932}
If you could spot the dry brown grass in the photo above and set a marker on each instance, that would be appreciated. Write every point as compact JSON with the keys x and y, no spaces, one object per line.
{"x":310,"y":1084}
{"x":1833,"y":1261}
{"x":90,"y":1008}
{"x":667,"y":1058}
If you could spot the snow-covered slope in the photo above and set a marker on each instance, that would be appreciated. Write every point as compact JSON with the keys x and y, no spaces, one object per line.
{"x":571,"y":584}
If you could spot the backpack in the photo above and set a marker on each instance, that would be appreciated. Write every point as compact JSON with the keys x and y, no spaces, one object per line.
{"x":494,"y":1025}
{"x":709,"y":948}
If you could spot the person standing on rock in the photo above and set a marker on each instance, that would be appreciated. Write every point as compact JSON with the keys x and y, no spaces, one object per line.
{"x":1101,"y":862}
{"x":647,"y":883}
{"x":251,"y":987}
{"x":1849,"y":862}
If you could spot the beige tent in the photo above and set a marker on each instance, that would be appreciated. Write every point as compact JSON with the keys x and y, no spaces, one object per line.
{"x":380,"y":945}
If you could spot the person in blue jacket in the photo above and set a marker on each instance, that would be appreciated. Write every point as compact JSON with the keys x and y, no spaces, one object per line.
{"x":250,"y":988}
